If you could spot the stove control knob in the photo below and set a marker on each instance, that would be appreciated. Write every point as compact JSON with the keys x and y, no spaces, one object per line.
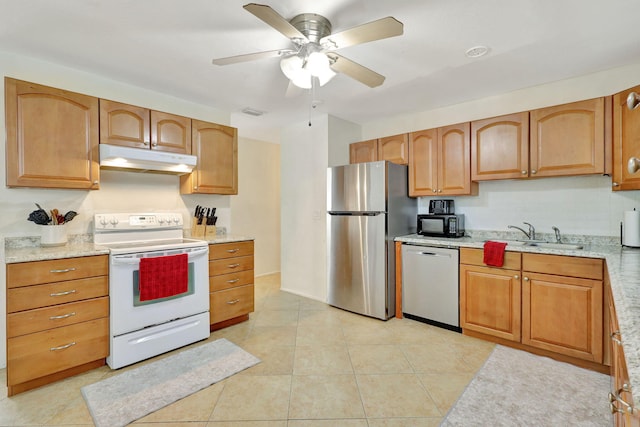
{"x":160,"y":220}
{"x":176,"y":220}
{"x":103,"y":221}
{"x":167,"y":220}
{"x":114,"y":221}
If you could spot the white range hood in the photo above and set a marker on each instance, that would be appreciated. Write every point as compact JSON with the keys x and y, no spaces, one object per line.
{"x":141,"y":160}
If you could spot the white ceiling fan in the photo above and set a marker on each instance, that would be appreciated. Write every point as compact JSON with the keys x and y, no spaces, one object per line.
{"x":312,"y":59}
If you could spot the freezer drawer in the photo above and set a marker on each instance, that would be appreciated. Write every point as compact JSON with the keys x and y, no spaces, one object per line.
{"x":430,"y":285}
{"x":357,"y":260}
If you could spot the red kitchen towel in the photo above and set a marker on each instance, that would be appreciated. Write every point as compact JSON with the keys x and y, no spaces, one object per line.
{"x":494,"y":253}
{"x":163,"y":276}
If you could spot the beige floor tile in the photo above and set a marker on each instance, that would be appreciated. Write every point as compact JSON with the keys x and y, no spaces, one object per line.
{"x":277,"y":318}
{"x":328,"y":423}
{"x":319,"y":318}
{"x":270,"y":336}
{"x":236,"y":333}
{"x":325,"y":397}
{"x":405,"y":422}
{"x":436,"y":357}
{"x":281,"y":423}
{"x":76,"y":413}
{"x":311,"y":304}
{"x":406,"y":331}
{"x":445,"y":389}
{"x":319,"y":335}
{"x":378,"y":359}
{"x":275,"y":360}
{"x":173,"y":424}
{"x":196,"y":407}
{"x":322,"y":360}
{"x":281,"y":301}
{"x":249,"y":397}
{"x":355,"y":334}
{"x":395,"y":395}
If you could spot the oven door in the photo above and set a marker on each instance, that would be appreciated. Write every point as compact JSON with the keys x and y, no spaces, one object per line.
{"x":129,"y":314}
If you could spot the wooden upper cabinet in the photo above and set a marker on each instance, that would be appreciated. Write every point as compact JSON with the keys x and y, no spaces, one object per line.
{"x":423,"y":169}
{"x":170,"y":133}
{"x":216,"y":147}
{"x":626,"y":141}
{"x":124,"y":124}
{"x":52,"y":137}
{"x":394,"y":149}
{"x":568,"y":139}
{"x":131,"y":126}
{"x":440,"y":162}
{"x":500,"y":147}
{"x":364,"y":151}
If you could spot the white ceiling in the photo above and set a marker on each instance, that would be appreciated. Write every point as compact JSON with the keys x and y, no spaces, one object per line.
{"x":167,"y":46}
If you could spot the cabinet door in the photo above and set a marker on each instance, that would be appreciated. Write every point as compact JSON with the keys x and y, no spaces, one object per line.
{"x":563,"y":315}
{"x":364,"y":151}
{"x":490,"y":301}
{"x":394,"y":149}
{"x":170,"y":133}
{"x":52,"y":137}
{"x":568,"y":139}
{"x":124,"y":124}
{"x":217,"y":171}
{"x":500,"y":147}
{"x":626,"y":141}
{"x":423,"y":166}
{"x":454,"y":165}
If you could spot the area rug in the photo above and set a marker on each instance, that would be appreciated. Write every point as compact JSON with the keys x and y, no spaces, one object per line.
{"x":126,"y":397}
{"x":516,"y":388}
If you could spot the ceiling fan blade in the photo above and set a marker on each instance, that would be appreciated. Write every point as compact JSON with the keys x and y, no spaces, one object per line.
{"x":293,"y":91}
{"x":374,"y":30}
{"x":250,"y":57}
{"x":275,"y":20}
{"x":355,"y":70}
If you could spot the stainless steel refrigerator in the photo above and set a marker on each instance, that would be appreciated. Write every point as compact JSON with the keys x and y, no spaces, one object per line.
{"x":368,"y":206}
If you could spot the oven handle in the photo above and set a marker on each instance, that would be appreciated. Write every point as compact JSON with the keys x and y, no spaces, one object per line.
{"x":129,"y":260}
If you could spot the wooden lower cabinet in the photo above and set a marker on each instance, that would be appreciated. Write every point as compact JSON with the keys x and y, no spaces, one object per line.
{"x":550,"y":305}
{"x":231,"y":288}
{"x":58,"y":321}
{"x":490,"y":296}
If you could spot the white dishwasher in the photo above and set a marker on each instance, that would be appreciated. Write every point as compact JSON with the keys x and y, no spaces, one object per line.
{"x":430,"y":285}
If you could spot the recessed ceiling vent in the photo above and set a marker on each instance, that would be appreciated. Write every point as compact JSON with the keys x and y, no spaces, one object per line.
{"x":252,"y":111}
{"x":477,"y":51}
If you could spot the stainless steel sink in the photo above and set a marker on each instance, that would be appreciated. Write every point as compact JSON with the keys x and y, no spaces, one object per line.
{"x":551,"y":245}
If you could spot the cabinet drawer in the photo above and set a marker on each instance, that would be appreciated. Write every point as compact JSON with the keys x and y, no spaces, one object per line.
{"x":43,"y":353}
{"x":232,"y":280}
{"x":27,"y":298}
{"x":56,"y":270}
{"x":229,"y":250}
{"x":475,"y":257}
{"x":588,"y":268}
{"x":230,"y":303}
{"x":41,"y":319}
{"x":230,"y":265}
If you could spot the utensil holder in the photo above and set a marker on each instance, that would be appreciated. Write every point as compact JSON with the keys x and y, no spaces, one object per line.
{"x":53,"y":235}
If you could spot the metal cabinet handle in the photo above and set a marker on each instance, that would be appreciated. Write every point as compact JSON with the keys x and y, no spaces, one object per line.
{"x":615,"y":397}
{"x":233,"y":265}
{"x":233,"y":251}
{"x":64,"y":316}
{"x":526,"y":279}
{"x":615,"y":184}
{"x":233,"y":280}
{"x":523,"y":172}
{"x":62,"y":347}
{"x":533,"y":171}
{"x":235,"y":301}
{"x":615,"y":337}
{"x":66,"y":270}
{"x":516,"y":277}
{"x":59,"y":294}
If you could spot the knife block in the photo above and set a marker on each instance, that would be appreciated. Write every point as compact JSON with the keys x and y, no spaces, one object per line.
{"x":197,"y":230}
{"x":210,"y":232}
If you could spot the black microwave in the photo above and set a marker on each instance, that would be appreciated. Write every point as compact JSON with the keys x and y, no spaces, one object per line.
{"x":441,"y":225}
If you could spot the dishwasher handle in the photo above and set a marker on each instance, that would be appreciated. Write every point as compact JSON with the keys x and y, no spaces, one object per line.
{"x":432,"y":254}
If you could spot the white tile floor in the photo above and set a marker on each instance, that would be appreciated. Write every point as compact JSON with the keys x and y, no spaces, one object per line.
{"x":320,"y":367}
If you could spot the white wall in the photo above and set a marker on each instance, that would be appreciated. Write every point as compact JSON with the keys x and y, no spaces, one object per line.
{"x":304,"y":204}
{"x":119,"y":191}
{"x":255,"y":211}
{"x":341,"y":134}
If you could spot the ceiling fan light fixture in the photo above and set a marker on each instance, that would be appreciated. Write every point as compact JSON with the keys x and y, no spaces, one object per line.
{"x":300,"y":70}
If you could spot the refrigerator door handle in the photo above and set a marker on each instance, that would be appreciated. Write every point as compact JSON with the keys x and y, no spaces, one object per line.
{"x":336,"y":213}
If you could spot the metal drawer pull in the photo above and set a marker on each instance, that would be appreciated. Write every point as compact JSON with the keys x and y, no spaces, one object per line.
{"x":60,"y":294}
{"x":64,"y":316}
{"x":614,"y":337}
{"x":233,"y":265}
{"x":66,"y":270}
{"x":62,"y":347}
{"x":235,"y":301}
{"x":232,"y":251}
{"x":233,"y":280}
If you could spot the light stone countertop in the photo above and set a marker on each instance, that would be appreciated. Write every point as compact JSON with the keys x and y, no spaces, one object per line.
{"x":623,"y":266}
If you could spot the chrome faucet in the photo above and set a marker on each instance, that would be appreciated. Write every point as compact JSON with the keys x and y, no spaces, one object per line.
{"x":557,"y":231}
{"x":531,"y":235}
